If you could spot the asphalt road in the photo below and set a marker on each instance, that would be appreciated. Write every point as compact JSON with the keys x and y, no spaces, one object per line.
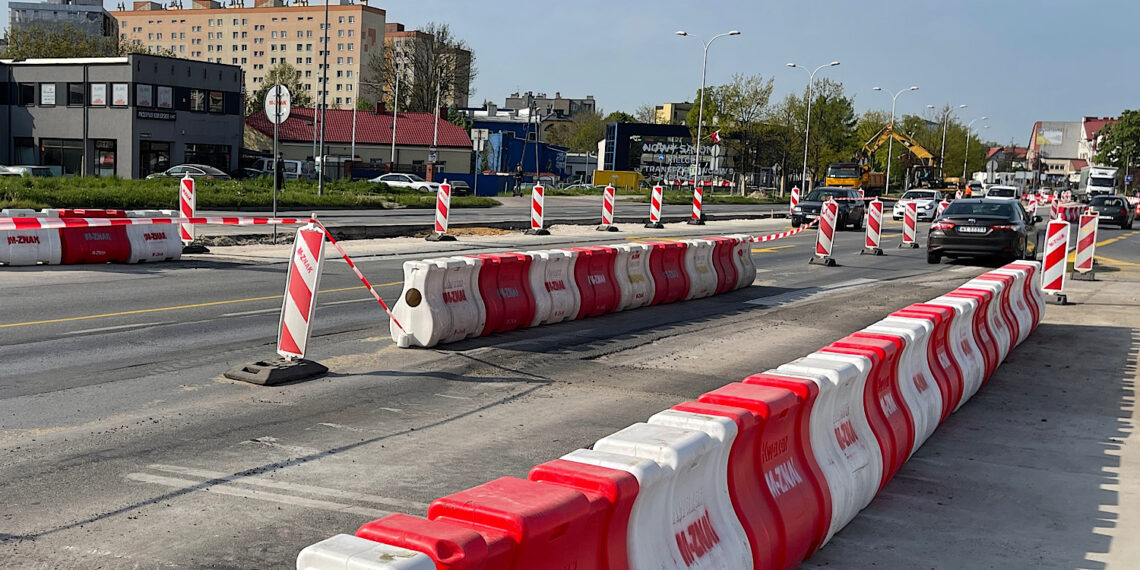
{"x":122,"y":446}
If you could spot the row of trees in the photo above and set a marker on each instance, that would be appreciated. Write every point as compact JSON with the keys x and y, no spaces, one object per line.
{"x":65,"y":40}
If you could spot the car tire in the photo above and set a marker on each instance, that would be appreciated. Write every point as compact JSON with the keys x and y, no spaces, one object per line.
{"x":795,"y":223}
{"x":933,"y":258}
{"x":1127,"y":226}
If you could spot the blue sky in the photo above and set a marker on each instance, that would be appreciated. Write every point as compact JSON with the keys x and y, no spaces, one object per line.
{"x":1017,"y":61}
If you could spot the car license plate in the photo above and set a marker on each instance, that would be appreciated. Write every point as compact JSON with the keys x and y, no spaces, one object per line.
{"x":1106,"y":217}
{"x":973,"y":229}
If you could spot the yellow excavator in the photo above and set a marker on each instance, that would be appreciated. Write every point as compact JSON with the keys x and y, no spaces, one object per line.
{"x":857,"y":174}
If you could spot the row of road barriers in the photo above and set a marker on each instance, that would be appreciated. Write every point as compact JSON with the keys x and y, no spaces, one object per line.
{"x":449,"y":299}
{"x":755,"y":474}
{"x":97,"y":244}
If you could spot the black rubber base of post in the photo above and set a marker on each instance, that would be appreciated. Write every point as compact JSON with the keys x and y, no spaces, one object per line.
{"x":605,"y":228}
{"x":913,"y":245}
{"x":439,"y":237}
{"x":1078,"y":276}
{"x":872,"y":251}
{"x":655,"y":225}
{"x":276,"y":371}
{"x":1057,"y":299}
{"x":697,"y":222}
{"x":195,"y":248}
{"x":825,"y":261}
{"x":538,"y":232}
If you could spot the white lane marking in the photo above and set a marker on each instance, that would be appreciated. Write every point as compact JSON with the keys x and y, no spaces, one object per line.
{"x":330,"y":303}
{"x":396,"y":410}
{"x":272,"y":442}
{"x":286,"y":486}
{"x":809,"y":292}
{"x":119,"y":327}
{"x":343,"y":427}
{"x":259,"y":495}
{"x":257,"y":312}
{"x":453,"y":397}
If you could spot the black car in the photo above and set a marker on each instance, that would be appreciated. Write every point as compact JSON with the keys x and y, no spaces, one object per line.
{"x":1114,"y":210}
{"x":193,"y":171}
{"x":460,"y":188}
{"x":975,"y":227}
{"x":851,"y":208}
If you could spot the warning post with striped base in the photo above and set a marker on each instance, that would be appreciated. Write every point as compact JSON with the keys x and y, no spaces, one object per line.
{"x":608,"y":210}
{"x":1086,"y":248}
{"x":910,"y":225}
{"x":442,"y":213}
{"x":655,"y":200}
{"x":825,"y":237}
{"x":297,"y":310}
{"x":187,"y":206}
{"x":874,"y":229}
{"x":1056,"y":258}
{"x":537,"y":200}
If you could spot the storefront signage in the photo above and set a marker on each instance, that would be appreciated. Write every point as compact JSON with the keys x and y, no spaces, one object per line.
{"x":98,"y":94}
{"x":120,"y":93}
{"x":156,"y":115}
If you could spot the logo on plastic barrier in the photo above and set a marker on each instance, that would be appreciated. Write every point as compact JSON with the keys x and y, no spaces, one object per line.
{"x":845,"y":434}
{"x":672,"y":274}
{"x":697,"y":539}
{"x":888,"y":403}
{"x":456,"y":296}
{"x":775,"y":449}
{"x":635,"y":278}
{"x":555,"y":285}
{"x":920,"y":383}
{"x":154,"y":236}
{"x":702,"y":269}
{"x":596,"y":279}
{"x":966,"y":346}
{"x":304,"y":259}
{"x":508,"y":292}
{"x":23,"y":240}
{"x":1056,"y":240}
{"x":92,"y":236}
{"x":945,"y":360}
{"x":782,"y":478}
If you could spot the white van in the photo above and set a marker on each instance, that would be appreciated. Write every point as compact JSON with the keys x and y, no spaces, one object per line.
{"x":292,"y":169}
{"x":1003,"y":191}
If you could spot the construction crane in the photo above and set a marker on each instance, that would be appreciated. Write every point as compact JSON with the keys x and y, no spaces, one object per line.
{"x":925,"y":174}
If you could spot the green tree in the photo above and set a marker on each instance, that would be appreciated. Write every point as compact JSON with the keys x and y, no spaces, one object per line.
{"x":833,"y":125}
{"x":619,"y":117}
{"x":437,"y":60}
{"x":283,"y":74}
{"x":580,"y":134}
{"x":1121,"y":141}
{"x":67,"y":40}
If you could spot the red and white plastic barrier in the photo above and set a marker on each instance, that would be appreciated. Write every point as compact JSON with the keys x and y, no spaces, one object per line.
{"x":442,"y":207}
{"x":300,"y":300}
{"x":795,"y":200}
{"x":941,"y":208}
{"x":1086,"y":243}
{"x":958,"y":195}
{"x":187,"y":205}
{"x":825,"y":237}
{"x":910,"y":225}
{"x":537,"y":200}
{"x":655,"y":201}
{"x":698,"y":202}
{"x":30,"y":246}
{"x":608,"y":206}
{"x":874,"y":225}
{"x":1056,"y":257}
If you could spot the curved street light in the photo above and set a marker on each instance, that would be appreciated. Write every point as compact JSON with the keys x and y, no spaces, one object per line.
{"x":807,"y":119}
{"x":967,"y":153}
{"x":890,"y":141}
{"x":701,"y":109}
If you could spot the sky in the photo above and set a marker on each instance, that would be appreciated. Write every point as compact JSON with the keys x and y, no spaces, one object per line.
{"x":1015,"y":61}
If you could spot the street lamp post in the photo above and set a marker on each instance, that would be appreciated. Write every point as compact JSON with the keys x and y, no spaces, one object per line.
{"x":890,"y":141}
{"x":945,"y":123}
{"x":807,"y":118}
{"x":967,"y":153}
{"x":701,"y":109}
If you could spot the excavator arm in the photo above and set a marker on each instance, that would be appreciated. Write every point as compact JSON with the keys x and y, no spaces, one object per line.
{"x":888,"y":132}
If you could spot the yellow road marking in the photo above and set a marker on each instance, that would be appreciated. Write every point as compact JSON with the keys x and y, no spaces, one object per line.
{"x":176,"y":307}
{"x":1116,"y":261}
{"x":771,"y":249}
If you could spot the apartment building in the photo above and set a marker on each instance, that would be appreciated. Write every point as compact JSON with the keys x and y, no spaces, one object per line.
{"x":87,"y":15}
{"x":259,"y":37}
{"x":410,"y":51}
{"x":672,"y":113}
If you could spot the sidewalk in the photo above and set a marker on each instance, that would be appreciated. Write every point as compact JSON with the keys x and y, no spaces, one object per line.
{"x":1041,"y":469}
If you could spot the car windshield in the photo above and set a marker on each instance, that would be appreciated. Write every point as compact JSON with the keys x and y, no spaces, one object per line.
{"x":842,"y":172}
{"x":1106,"y":201}
{"x":961,"y":208}
{"x":916,"y":195}
{"x":1102,"y":182}
{"x":820,"y":194}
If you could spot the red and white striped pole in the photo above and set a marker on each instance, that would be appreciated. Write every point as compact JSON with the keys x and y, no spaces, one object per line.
{"x":795,"y":200}
{"x":608,"y":210}
{"x":698,"y":218}
{"x":1067,"y":196}
{"x":910,"y":225}
{"x":442,"y":213}
{"x":1086,"y":248}
{"x":825,"y":237}
{"x":301,"y":288}
{"x":187,"y":204}
{"x":874,"y":228}
{"x":1033,"y":205}
{"x":1056,"y":257}
{"x":862,"y":194}
{"x":958,"y":195}
{"x":655,"y":199}
{"x":941,"y":208}
{"x":537,"y":197}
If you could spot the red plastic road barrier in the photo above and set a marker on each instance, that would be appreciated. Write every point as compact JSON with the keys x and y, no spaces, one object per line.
{"x":667,"y":263}
{"x":594,"y":275}
{"x":983,"y":337}
{"x":818,"y":509}
{"x":1012,"y":324}
{"x":611,"y":493}
{"x":93,"y":245}
{"x":726,"y":276}
{"x":527,"y":525}
{"x":744,"y":487}
{"x":1031,"y":281}
{"x":450,"y":546}
{"x":794,"y":505}
{"x":943,"y":366}
{"x":883,"y":402}
{"x":504,"y":285}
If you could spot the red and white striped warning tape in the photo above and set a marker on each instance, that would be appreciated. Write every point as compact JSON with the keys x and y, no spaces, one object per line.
{"x":782,"y":235}
{"x":359,"y":275}
{"x":56,"y":223}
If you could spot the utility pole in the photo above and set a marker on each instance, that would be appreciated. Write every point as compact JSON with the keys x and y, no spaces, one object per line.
{"x":324,"y":102}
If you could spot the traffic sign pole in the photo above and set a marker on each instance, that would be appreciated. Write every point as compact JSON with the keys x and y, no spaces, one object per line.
{"x":277,"y":109}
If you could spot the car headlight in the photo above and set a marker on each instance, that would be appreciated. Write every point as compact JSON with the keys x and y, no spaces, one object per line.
{"x":797,"y":210}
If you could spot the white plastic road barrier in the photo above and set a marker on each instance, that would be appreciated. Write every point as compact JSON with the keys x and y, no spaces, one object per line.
{"x":556,"y":295}
{"x":795,"y":200}
{"x":607,"y":207}
{"x":462,"y":298}
{"x":874,"y":226}
{"x":537,"y":199}
{"x":154,"y":242}
{"x":1056,"y":254}
{"x":29,"y":247}
{"x":699,"y":267}
{"x":687,"y":520}
{"x":1033,"y":290}
{"x":655,"y":200}
{"x":188,"y":204}
{"x":916,"y":382}
{"x":347,"y":552}
{"x":442,"y":207}
{"x":1086,"y":243}
{"x":742,"y":259}
{"x":910,"y":225}
{"x":440,"y":302}
{"x":1021,"y":306}
{"x":841,"y":430}
{"x":958,"y":195}
{"x":634,"y":279}
{"x":300,"y":300}
{"x":963,"y":345}
{"x":825,"y":237}
{"x":1003,"y":336}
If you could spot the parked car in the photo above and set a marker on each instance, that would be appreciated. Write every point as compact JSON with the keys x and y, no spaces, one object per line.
{"x":460,"y":188}
{"x":33,"y":171}
{"x":192,"y":170}
{"x":5,"y":172}
{"x":290,"y":169}
{"x":851,"y":208}
{"x":397,"y":180}
{"x":975,"y":227}
{"x":1113,"y":210}
{"x":1003,"y":192}
{"x":926,"y":201}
